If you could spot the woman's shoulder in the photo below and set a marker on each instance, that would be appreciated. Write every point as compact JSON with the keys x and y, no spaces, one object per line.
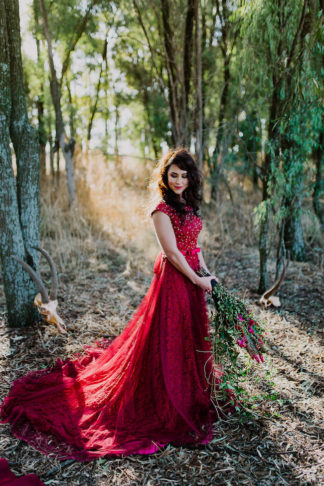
{"x":163,"y":207}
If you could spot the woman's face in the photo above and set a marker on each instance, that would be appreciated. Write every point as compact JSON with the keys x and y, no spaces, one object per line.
{"x":177,"y":179}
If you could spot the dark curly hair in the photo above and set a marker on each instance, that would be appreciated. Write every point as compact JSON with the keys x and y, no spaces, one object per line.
{"x":181,"y":157}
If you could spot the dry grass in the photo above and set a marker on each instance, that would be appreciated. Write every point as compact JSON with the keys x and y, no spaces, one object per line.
{"x":104,"y":252}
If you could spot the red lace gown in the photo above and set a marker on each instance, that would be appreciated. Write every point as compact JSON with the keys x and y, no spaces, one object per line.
{"x":141,"y":391}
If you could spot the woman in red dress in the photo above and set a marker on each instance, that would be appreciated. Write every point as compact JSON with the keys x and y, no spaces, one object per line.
{"x":149,"y":386}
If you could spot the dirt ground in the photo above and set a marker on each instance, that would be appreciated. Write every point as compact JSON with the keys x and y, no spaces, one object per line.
{"x":281,"y":445}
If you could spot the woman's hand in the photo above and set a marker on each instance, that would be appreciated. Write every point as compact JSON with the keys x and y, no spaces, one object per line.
{"x":205,"y":283}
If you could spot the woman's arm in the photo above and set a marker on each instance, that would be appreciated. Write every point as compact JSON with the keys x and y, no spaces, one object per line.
{"x":166,"y":237}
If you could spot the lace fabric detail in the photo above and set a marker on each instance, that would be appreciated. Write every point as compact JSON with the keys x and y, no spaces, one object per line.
{"x":186,"y":232}
{"x":137,"y":392}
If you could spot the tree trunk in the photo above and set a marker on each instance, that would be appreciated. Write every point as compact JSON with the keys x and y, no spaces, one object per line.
{"x":40,"y":100}
{"x":41,"y":133}
{"x":50,"y":137}
{"x":223,"y":105}
{"x":204,"y":70}
{"x":273,"y":140}
{"x":19,"y":199}
{"x":23,"y":136}
{"x":95,"y":104}
{"x":176,"y":88}
{"x":187,"y":68}
{"x":252,"y":144}
{"x":173,"y":85}
{"x":178,"y":79}
{"x":318,"y":187}
{"x":294,"y":240}
{"x":223,"y":13}
{"x":293,"y":233}
{"x":116,"y":151}
{"x":51,"y":156}
{"x":106,"y":110}
{"x":263,"y":252}
{"x":67,"y":148}
{"x":281,"y":249}
{"x":199,"y":106}
{"x":71,"y":111}
{"x":58,"y":166}
{"x":220,"y":130}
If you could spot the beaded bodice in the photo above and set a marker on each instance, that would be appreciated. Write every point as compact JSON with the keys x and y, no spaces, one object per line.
{"x":186,"y":233}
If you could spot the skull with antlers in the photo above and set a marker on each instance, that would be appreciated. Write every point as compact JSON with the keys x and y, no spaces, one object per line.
{"x":46,"y":306}
{"x":268,"y":298}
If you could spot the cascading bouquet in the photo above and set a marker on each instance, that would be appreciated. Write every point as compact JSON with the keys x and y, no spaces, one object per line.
{"x":232,"y":325}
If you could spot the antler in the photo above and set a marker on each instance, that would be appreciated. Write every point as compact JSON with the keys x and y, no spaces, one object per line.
{"x":268,"y":298}
{"x":53,"y":294}
{"x":36,"y":278}
{"x":46,"y":307}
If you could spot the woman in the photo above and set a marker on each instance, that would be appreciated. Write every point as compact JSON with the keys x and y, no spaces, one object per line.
{"x":149,"y":386}
{"x":179,"y":185}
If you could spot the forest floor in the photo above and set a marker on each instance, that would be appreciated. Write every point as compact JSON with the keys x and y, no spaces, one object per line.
{"x":105,"y":255}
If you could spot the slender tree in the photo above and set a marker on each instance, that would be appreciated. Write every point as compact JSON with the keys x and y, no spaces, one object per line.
{"x":56,"y":84}
{"x":227,"y":40}
{"x":177,"y":40}
{"x":198,"y":87}
{"x":66,"y":147}
{"x":318,"y":186}
{"x":281,"y":49}
{"x":19,"y":196}
{"x":94,"y":104}
{"x":40,"y":99}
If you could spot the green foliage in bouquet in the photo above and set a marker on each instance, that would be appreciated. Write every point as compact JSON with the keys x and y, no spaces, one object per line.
{"x":232,"y":326}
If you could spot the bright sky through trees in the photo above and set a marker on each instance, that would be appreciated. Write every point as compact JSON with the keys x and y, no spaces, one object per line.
{"x":29,"y":51}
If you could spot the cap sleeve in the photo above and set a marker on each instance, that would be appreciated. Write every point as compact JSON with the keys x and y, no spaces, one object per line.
{"x":164,"y":208}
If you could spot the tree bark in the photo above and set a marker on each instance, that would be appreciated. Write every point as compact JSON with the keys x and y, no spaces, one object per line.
{"x":179,"y":80}
{"x":176,"y":88}
{"x":318,"y":187}
{"x":263,"y":252}
{"x":106,"y":108}
{"x":71,"y":111}
{"x":23,"y":136}
{"x":223,"y":15}
{"x":41,"y":133}
{"x":169,"y":49}
{"x":187,"y":69}
{"x":294,"y":239}
{"x":281,"y":249}
{"x":19,"y":199}
{"x":116,"y":126}
{"x":223,"y":106}
{"x":199,"y":105}
{"x":273,"y":137}
{"x":50,"y":139}
{"x":42,"y":136}
{"x":95,"y":104}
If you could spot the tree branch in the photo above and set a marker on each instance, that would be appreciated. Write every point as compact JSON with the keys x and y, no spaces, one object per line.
{"x":300,"y":26}
{"x":139,"y":16}
{"x":79,"y":31}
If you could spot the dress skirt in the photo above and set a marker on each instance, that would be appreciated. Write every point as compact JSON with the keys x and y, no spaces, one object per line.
{"x":144,"y":389}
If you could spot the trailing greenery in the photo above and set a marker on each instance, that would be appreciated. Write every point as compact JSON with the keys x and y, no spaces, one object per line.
{"x":232,"y":327}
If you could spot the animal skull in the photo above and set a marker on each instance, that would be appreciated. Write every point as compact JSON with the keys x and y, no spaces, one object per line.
{"x":49,"y":312}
